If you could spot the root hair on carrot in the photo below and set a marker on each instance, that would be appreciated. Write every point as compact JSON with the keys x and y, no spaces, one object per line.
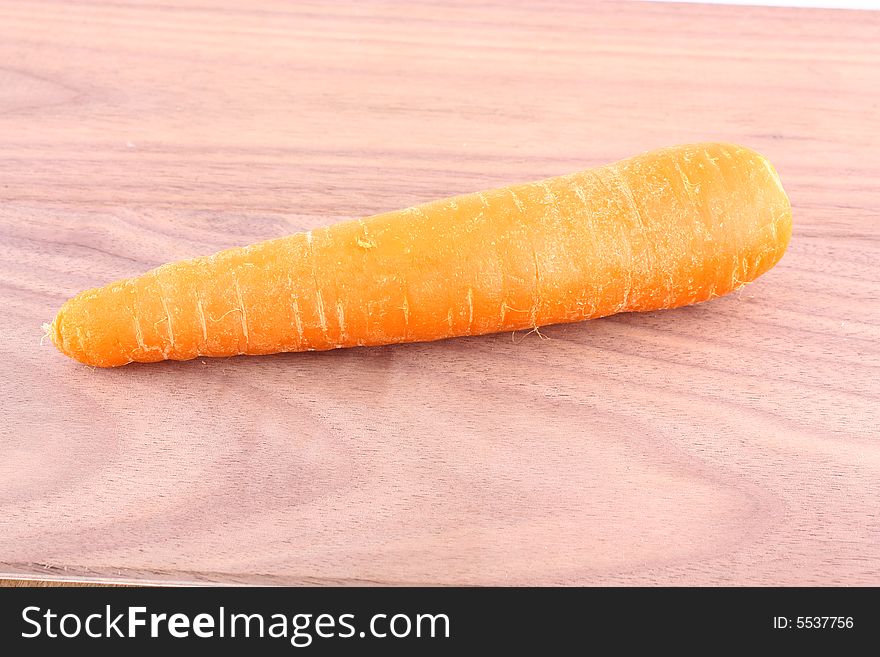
{"x":536,"y":330}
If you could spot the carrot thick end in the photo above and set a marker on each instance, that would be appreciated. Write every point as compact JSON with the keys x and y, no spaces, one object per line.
{"x":781,"y":219}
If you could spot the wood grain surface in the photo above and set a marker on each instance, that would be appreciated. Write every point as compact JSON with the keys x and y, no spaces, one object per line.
{"x":734,"y":442}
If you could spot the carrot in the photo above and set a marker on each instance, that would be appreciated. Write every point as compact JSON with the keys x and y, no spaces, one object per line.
{"x":664,"y":229}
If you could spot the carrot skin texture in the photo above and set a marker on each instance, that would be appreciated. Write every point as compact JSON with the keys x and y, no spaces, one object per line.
{"x":660,"y":230}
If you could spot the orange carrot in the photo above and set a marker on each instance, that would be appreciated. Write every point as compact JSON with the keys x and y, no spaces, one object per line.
{"x":664,"y":229}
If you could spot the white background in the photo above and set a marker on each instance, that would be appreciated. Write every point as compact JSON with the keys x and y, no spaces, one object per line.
{"x":845,"y":4}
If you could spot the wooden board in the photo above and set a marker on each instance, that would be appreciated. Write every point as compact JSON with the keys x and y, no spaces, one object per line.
{"x":734,"y":442}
